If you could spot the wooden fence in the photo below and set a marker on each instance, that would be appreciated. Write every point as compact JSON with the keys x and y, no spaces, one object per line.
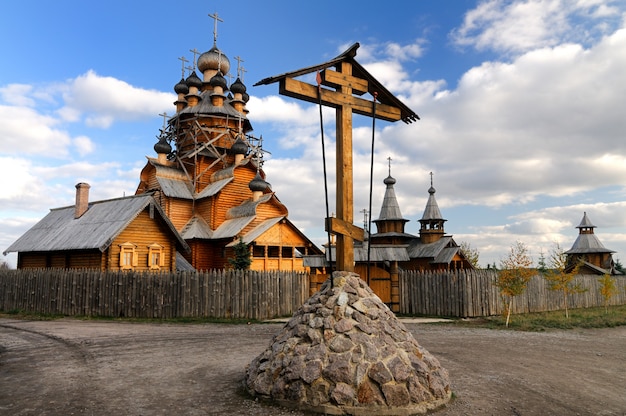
{"x":473,"y":293}
{"x":217,"y":293}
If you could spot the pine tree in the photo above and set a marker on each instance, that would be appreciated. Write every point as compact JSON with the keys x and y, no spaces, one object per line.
{"x":242,"y":259}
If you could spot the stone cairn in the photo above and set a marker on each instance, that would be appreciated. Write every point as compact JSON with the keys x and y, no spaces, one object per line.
{"x":345,"y":353}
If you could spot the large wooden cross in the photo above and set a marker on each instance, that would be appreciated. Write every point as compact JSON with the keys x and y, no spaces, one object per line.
{"x":343,"y":93}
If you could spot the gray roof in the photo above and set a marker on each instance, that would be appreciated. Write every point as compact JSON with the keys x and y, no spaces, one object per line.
{"x":587,"y":243}
{"x":182,"y":264}
{"x":378,"y":253}
{"x":231,"y":228}
{"x":95,"y":229}
{"x":175,"y":183}
{"x":431,"y":212}
{"x":196,"y":227}
{"x":390,"y":209}
{"x":205,"y":107}
{"x":419,"y":250}
{"x":585,"y":222}
{"x":258,"y":231}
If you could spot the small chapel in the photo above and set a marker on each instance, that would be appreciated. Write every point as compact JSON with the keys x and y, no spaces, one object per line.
{"x":384,"y":253}
{"x":588,"y":253}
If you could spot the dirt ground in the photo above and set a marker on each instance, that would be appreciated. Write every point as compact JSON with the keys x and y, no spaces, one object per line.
{"x":73,"y":367}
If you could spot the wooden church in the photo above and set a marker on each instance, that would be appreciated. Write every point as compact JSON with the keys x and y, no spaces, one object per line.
{"x":205,"y":191}
{"x":208,"y":175}
{"x":390,"y":249}
{"x":588,"y":253}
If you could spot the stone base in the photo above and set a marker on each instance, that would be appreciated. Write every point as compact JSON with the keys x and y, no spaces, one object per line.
{"x":345,"y":353}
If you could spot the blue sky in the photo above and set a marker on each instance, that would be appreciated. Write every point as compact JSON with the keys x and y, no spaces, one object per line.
{"x":521,"y":106}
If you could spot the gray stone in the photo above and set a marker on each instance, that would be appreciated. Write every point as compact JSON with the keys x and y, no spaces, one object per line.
{"x":345,"y":352}
{"x":343,"y":394}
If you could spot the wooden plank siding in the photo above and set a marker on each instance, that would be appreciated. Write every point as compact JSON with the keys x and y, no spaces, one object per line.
{"x":473,"y":293}
{"x":218,"y":293}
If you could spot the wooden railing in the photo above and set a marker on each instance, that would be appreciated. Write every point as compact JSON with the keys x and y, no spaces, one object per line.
{"x":473,"y":293}
{"x":216,"y":293}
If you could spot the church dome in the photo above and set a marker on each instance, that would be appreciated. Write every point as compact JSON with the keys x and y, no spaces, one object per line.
{"x":389,"y":180}
{"x":218,"y":80}
{"x":181,"y":87}
{"x":238,"y":87}
{"x":193,"y":80}
{"x":162,"y":146}
{"x":214,"y":59}
{"x":257,"y":184}
{"x":239,"y":147}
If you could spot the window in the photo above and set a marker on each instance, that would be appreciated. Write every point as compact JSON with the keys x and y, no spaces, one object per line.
{"x":155,"y":256}
{"x":128,"y":256}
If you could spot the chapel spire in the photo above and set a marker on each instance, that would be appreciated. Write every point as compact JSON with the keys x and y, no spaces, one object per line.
{"x":431,"y":224}
{"x":390,"y":218}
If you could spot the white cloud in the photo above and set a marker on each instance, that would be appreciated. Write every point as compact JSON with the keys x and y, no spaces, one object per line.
{"x":107,"y":99}
{"x":519,"y":26}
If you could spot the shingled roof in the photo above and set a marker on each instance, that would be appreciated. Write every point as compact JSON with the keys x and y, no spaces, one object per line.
{"x":95,"y":229}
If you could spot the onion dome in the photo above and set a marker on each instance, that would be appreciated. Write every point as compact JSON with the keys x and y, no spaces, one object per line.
{"x":163,"y":146}
{"x":389,"y":180}
{"x":237,"y":87}
{"x":193,"y":80}
{"x":181,"y":87}
{"x":213,"y":59}
{"x":257,"y":184}
{"x":239,"y":147}
{"x":218,"y":80}
{"x":245,"y":97}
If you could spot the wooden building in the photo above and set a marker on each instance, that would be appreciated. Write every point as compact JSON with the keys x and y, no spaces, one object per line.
{"x":391,"y":249}
{"x":208,"y":176}
{"x":131,"y":233}
{"x":203,"y":193}
{"x":589,"y":253}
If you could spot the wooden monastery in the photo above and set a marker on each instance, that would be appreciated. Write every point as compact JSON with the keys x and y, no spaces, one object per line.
{"x":206,"y":186}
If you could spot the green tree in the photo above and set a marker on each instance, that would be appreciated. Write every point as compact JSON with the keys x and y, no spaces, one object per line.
{"x":560,"y":280}
{"x":470,"y":253}
{"x":516,"y":271}
{"x":242,"y":259}
{"x":607,"y":289}
{"x":618,"y":266}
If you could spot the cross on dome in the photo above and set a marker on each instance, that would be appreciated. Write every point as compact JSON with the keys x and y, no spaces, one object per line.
{"x":183,"y":60}
{"x":216,"y":19}
{"x":195,"y":52}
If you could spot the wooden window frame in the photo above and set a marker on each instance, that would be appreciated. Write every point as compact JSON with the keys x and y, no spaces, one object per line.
{"x":128,"y":249}
{"x":155,"y":249}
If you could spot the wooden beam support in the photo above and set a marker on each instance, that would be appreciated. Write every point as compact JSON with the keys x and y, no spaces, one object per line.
{"x":307,"y":92}
{"x":339,"y":227}
{"x":334,"y":79}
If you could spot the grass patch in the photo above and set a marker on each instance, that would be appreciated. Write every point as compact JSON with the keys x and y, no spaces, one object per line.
{"x":544,"y":321}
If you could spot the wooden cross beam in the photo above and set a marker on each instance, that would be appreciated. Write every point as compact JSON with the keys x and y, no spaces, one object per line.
{"x":342,"y":98}
{"x":345,"y":81}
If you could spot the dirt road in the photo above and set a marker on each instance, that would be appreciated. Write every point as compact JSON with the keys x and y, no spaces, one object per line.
{"x":72,"y":367}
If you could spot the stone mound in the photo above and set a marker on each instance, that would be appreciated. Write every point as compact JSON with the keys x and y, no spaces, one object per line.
{"x":345,"y":353}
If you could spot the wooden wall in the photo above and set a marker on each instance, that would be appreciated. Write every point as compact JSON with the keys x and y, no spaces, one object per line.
{"x":218,"y":293}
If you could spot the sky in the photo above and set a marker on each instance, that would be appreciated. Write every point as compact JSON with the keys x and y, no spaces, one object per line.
{"x":521,"y":107}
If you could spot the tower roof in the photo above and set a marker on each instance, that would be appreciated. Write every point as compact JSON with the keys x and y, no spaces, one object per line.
{"x":432,"y":212}
{"x":585,"y":222}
